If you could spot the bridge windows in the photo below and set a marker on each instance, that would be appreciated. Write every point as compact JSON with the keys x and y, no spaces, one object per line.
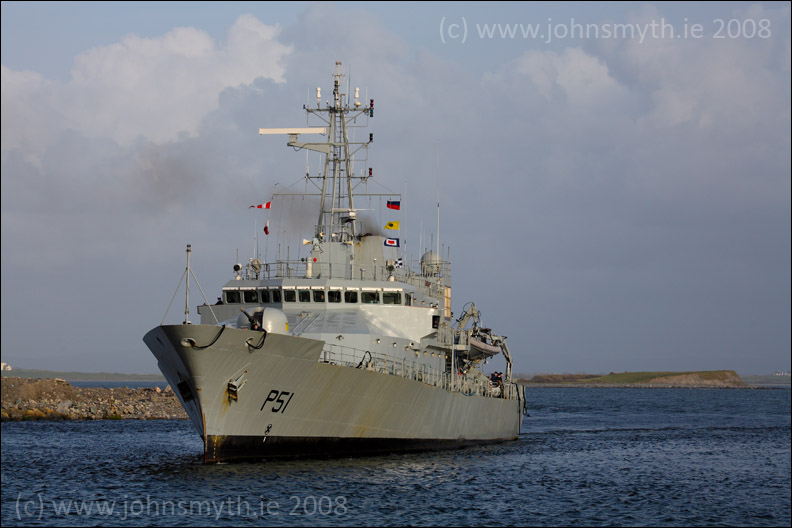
{"x":250,"y":296}
{"x":350,"y":297}
{"x":317,"y":294}
{"x":391,"y":297}
{"x":289,"y":295}
{"x":232,"y":296}
{"x":369,"y":297}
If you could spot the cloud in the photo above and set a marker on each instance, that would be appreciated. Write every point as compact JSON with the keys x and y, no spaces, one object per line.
{"x":156,"y":88}
{"x":584,"y":79}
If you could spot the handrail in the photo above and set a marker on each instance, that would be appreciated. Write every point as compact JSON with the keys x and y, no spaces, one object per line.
{"x":414,"y":370}
{"x":430,"y":285}
{"x":326,"y":270}
{"x":448,"y":336}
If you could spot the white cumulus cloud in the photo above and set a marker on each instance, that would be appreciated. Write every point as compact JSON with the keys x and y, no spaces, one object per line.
{"x":158,"y":88}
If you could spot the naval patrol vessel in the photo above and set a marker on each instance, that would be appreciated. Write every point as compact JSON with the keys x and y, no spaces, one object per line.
{"x":347,"y":351}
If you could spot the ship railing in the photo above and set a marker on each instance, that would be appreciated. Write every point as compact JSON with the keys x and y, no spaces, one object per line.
{"x":432,"y":285}
{"x":448,"y":336}
{"x":413,"y":370}
{"x":436,"y":275}
{"x":301,"y":269}
{"x":431,"y":281}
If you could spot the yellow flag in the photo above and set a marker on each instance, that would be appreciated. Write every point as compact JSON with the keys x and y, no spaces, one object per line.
{"x":392,"y":225}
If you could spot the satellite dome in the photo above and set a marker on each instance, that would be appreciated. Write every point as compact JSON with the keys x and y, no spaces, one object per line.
{"x":430,"y":263}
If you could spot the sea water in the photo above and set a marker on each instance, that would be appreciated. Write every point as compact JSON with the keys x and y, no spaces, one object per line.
{"x":585,"y":457}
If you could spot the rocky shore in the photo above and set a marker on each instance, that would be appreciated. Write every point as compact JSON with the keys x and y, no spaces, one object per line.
{"x":54,"y":399}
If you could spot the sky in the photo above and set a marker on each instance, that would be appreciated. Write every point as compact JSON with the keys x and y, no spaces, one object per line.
{"x":613,"y":178}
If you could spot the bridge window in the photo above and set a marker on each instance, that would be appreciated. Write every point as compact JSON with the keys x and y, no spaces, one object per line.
{"x":265,"y":296}
{"x":369,"y":297}
{"x":276,"y":296}
{"x":304,"y":295}
{"x":250,"y":296}
{"x":351,"y":297}
{"x":319,"y":296}
{"x":232,"y":297}
{"x":391,"y":298}
{"x":408,"y":299}
{"x":289,"y":296}
{"x":334,"y":296}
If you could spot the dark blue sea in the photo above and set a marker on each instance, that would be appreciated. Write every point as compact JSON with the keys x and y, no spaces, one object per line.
{"x":586,"y":457}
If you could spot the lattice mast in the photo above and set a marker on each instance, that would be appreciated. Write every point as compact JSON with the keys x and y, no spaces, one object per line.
{"x":337,"y":214}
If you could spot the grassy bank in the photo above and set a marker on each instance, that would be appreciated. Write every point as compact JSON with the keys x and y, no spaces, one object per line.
{"x":647,"y":377}
{"x":699,"y":378}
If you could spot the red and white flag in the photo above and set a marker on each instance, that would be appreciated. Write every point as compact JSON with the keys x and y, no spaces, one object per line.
{"x":266,"y":228}
{"x":261,"y":206}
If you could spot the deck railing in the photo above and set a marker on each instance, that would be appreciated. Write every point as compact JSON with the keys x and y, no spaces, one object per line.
{"x":432,"y":285}
{"x":414,"y":370}
{"x":448,"y":336}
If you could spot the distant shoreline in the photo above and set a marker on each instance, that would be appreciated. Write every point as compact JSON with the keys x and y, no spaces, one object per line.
{"x":80,"y":376}
{"x":748,"y":381}
{"x":768,"y":379}
{"x":531,"y":385}
{"x":701,"y":379}
{"x":57,"y":399}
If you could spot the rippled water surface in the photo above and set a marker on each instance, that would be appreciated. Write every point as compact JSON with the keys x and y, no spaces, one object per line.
{"x":625,"y":457}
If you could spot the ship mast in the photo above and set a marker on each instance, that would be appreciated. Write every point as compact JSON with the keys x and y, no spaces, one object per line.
{"x":337,"y":207}
{"x":338,"y":138}
{"x":337,"y":219}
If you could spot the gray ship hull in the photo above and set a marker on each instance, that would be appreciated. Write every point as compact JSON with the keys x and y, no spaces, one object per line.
{"x":256,"y":395}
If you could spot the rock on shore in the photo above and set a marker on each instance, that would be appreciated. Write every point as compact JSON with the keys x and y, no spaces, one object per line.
{"x":54,"y":399}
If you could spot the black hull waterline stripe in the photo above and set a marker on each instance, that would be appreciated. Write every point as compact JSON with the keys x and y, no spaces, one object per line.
{"x":220,"y":448}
